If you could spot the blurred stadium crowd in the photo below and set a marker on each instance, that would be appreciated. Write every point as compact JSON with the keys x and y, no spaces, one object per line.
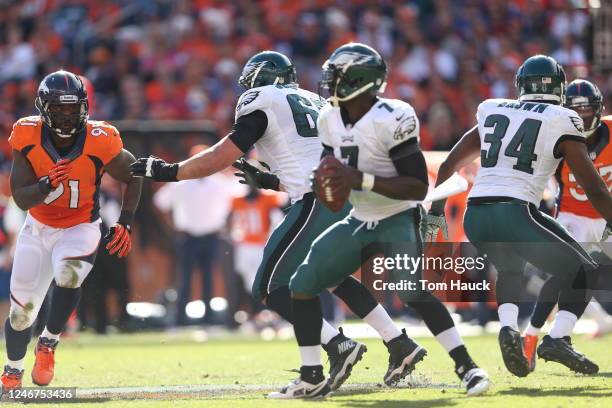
{"x":180,"y":59}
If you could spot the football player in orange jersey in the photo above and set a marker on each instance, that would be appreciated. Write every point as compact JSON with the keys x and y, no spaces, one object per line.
{"x":59,"y":158}
{"x":584,"y":223}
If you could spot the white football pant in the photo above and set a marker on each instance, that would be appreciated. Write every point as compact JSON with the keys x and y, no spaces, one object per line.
{"x":44,"y":253}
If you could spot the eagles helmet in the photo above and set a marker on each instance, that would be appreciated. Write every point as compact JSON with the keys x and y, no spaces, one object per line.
{"x":541,"y":78}
{"x":581,"y":95}
{"x":267,"y":68}
{"x":63,"y":88}
{"x":352,"y":70}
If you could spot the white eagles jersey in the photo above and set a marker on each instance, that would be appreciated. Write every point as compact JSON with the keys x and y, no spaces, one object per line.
{"x":518,"y":146}
{"x":366,"y":146}
{"x":290,"y":145}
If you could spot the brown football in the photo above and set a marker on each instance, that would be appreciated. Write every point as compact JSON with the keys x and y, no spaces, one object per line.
{"x":329,"y":189}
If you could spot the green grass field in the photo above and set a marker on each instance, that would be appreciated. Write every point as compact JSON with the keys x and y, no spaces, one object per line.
{"x":130,"y":370}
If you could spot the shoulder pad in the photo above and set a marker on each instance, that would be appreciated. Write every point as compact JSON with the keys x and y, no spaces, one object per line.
{"x":26,"y":131}
{"x":397,"y":120}
{"x":252,"y":100}
{"x":29,"y":121}
{"x":101,"y":128}
{"x":104,"y":139}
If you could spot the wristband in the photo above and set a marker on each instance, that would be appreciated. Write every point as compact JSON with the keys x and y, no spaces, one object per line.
{"x":367,"y":182}
{"x":44,"y":185}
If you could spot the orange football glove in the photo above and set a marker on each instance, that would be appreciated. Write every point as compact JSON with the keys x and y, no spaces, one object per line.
{"x":119,"y":240}
{"x":59,"y":173}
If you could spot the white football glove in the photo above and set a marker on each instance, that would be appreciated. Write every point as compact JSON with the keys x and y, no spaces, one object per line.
{"x":432,"y":224}
{"x":607,"y":232}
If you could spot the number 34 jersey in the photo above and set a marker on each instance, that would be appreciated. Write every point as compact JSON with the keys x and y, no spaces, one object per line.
{"x":519,"y":146}
{"x":75,"y":201}
{"x":290,"y":145}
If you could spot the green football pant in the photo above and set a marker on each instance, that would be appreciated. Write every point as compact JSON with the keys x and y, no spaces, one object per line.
{"x":290,"y":241}
{"x":512,"y":232}
{"x":338,"y":252}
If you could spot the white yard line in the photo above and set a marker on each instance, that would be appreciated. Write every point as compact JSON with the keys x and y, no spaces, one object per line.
{"x":217,"y":389}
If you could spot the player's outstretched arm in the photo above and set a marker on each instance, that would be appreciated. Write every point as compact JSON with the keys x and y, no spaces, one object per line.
{"x":27,"y":190}
{"x":577,"y":158}
{"x":118,"y":237}
{"x":208,"y":162}
{"x":462,"y":154}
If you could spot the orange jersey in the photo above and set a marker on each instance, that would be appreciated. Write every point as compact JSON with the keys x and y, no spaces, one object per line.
{"x":75,"y":201}
{"x":251,"y":218}
{"x":572,"y":197}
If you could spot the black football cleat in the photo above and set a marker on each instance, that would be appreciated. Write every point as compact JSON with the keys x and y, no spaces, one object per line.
{"x":474,"y":379}
{"x":404,"y":354}
{"x":343,"y":354}
{"x":561,"y":351}
{"x":311,"y":384}
{"x":511,"y":346}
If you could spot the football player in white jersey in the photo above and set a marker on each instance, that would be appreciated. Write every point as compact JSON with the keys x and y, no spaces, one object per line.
{"x":586,"y":225}
{"x":279,"y":119}
{"x":384,"y":168}
{"x":520,"y":144}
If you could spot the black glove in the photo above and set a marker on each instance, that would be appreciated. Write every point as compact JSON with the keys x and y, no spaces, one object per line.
{"x":254,"y":177}
{"x":154,"y":168}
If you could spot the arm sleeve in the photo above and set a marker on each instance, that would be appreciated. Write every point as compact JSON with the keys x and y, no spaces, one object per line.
{"x":248,"y":129}
{"x":409,"y":161}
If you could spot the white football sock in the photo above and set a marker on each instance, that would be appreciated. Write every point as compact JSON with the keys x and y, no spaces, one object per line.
{"x":380,"y":321}
{"x":532,"y":331}
{"x":46,"y":333}
{"x":563,"y":325}
{"x":508,"y":315}
{"x":328,"y":332}
{"x":311,"y":355}
{"x":596,"y":312}
{"x":18,"y":364}
{"x":450,"y":339}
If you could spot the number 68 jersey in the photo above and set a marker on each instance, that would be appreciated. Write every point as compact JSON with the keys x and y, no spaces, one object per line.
{"x":519,"y":147}
{"x":75,"y":201}
{"x":290,"y":144}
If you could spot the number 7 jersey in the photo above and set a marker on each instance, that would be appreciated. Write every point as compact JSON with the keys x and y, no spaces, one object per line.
{"x":519,"y":143}
{"x":290,"y":144}
{"x":76,"y":200}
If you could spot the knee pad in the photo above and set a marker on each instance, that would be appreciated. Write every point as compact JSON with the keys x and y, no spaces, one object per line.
{"x":70,"y":273}
{"x":22,"y":318}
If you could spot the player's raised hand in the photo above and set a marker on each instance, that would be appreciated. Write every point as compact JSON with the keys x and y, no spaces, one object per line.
{"x":607,"y":232}
{"x":59,"y":173}
{"x":119,"y":240}
{"x":432,"y":224}
{"x":254,"y":177}
{"x":154,"y":168}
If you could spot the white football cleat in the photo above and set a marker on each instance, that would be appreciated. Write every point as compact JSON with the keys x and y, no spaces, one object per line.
{"x":476,"y":381}
{"x":299,"y":388}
